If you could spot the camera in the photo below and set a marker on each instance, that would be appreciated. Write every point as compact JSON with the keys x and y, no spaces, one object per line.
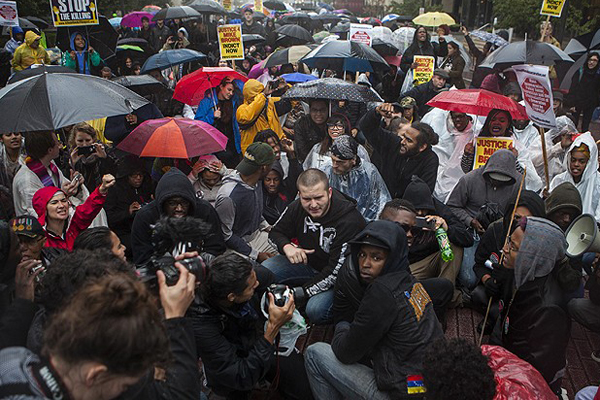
{"x":421,"y":222}
{"x":281,"y":295}
{"x":166,"y":264}
{"x":35,"y":269}
{"x":85,"y":150}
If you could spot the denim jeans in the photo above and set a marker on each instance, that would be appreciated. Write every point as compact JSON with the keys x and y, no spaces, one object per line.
{"x":330,"y":379}
{"x":466,"y":275}
{"x":319,"y":308}
{"x":587,"y":393}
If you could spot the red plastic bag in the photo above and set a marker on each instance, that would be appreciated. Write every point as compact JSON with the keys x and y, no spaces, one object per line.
{"x":515,"y":379}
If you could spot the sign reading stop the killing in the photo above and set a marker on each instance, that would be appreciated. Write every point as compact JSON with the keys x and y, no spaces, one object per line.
{"x":74,"y":12}
{"x":537,"y":94}
{"x":361,"y":33}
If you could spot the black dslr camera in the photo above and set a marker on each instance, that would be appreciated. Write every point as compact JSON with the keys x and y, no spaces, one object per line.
{"x":281,"y":295}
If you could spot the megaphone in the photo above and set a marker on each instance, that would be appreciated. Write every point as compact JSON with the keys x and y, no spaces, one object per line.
{"x":582,"y":236}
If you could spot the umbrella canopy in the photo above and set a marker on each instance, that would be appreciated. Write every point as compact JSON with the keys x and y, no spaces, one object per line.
{"x":328,"y":18}
{"x":583,"y":43}
{"x":319,"y":36}
{"x":526,"y":52}
{"x":568,"y":78}
{"x":252,"y":39}
{"x":207,"y":7}
{"x":115,"y":22}
{"x":477,"y":102}
{"x":192,"y":88}
{"x":489,"y":37}
{"x":434,"y":19}
{"x":332,"y":89}
{"x":382,"y":32}
{"x":297,"y":77}
{"x":173,"y":138}
{"x":176,"y":12}
{"x":384,"y":48}
{"x":168,"y":58}
{"x":343,"y":55}
{"x":151,"y":8}
{"x":23,"y":24}
{"x":295,"y":18}
{"x":102,"y":37}
{"x":139,"y":42}
{"x":40,"y":23}
{"x":275,"y":5}
{"x":129,"y":47}
{"x":403,"y":37}
{"x":290,"y":35}
{"x":52,"y":101}
{"x":341,"y":28}
{"x":290,"y":55}
{"x":29,"y":72}
{"x":390,"y":18}
{"x":134,"y":19}
{"x":370,"y":21}
{"x":141,"y":84}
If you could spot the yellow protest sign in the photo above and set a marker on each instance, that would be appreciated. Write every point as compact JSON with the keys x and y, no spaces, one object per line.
{"x":230,"y":42}
{"x":258,"y":6}
{"x":424,"y":70}
{"x":552,"y":8}
{"x":486,"y":146}
{"x":227,"y":5}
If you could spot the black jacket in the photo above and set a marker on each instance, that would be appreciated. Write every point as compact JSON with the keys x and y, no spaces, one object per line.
{"x":275,"y":205}
{"x":173,"y":183}
{"x":428,"y":49}
{"x":306,"y":135}
{"x":388,"y":322}
{"x":159,"y":36}
{"x":327,"y":236}
{"x":396,"y":169}
{"x":422,"y":94}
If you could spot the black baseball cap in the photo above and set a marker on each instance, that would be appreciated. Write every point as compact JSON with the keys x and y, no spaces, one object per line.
{"x":371,"y":241}
{"x":27,"y":225}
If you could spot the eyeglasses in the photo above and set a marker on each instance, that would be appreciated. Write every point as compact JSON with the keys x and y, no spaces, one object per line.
{"x":335,"y":126}
{"x":178,"y":202}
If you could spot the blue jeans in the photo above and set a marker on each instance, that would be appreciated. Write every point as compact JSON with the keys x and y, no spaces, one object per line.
{"x":319,"y":308}
{"x":466,"y":276}
{"x":587,"y":393}
{"x":332,"y":380}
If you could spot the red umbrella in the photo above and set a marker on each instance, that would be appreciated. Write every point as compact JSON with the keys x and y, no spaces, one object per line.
{"x":477,"y":102}
{"x":192,"y":87}
{"x":173,"y":138}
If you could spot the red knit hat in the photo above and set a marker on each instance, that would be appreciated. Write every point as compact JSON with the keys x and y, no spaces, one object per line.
{"x":41,"y":199}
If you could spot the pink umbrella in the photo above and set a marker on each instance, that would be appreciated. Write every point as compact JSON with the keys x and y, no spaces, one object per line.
{"x":256,"y":71}
{"x":134,"y":19}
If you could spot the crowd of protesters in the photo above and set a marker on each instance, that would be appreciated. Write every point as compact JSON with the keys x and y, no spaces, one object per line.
{"x":119,"y":274}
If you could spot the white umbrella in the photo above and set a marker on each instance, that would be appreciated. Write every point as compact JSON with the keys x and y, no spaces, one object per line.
{"x":403,"y":37}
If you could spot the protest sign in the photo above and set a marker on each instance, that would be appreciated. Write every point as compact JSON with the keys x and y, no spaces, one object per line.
{"x":230,"y":42}
{"x":227,"y":5}
{"x":8,"y":13}
{"x":361,"y":33}
{"x":258,"y":6}
{"x":552,"y":8}
{"x":486,"y":146}
{"x":74,"y":12}
{"x":535,"y":85}
{"x":424,"y":70}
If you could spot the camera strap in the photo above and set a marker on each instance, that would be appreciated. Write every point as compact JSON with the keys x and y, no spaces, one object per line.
{"x":48,"y":382}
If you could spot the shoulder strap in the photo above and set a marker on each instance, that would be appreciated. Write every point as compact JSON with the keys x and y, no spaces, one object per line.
{"x":251,"y":123}
{"x":15,"y":389}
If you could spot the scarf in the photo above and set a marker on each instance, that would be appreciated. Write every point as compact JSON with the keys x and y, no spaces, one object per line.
{"x":38,"y":168}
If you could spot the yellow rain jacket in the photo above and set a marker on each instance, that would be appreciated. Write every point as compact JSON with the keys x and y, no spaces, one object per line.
{"x":25,"y":55}
{"x":254,"y":105}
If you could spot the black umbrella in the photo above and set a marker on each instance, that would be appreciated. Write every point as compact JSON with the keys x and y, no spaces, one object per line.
{"x":102,"y":37}
{"x":291,"y":35}
{"x":583,"y":43}
{"x":384,"y":48}
{"x":141,"y":43}
{"x":168,"y":58}
{"x":290,"y":55}
{"x":295,"y":18}
{"x":344,"y":27}
{"x":275,"y":5}
{"x":29,"y":72}
{"x":526,"y":52}
{"x":207,"y":7}
{"x":343,"y":55}
{"x":143,"y":85}
{"x":332,"y":89}
{"x":328,"y":18}
{"x":176,"y":12}
{"x":41,"y":23}
{"x":567,"y":77}
{"x":53,"y":101}
{"x":252,"y":39}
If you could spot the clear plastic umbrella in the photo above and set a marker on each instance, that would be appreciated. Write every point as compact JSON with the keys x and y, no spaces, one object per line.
{"x":403,"y":37}
{"x":382,"y":32}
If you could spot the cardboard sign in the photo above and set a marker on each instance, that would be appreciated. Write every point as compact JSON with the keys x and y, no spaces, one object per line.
{"x":227,"y":5}
{"x":552,"y":8}
{"x":424,"y":70}
{"x":535,"y":85}
{"x":8,"y":13}
{"x":230,"y":42}
{"x":74,"y":12}
{"x":361,"y":33}
{"x":258,"y":6}
{"x":486,"y":146}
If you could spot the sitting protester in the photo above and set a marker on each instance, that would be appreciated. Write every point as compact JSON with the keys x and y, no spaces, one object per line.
{"x":285,"y":153}
{"x":100,"y":238}
{"x":277,"y":194}
{"x":207,"y":177}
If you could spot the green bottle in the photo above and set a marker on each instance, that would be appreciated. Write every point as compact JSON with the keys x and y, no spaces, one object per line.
{"x":444,"y":243}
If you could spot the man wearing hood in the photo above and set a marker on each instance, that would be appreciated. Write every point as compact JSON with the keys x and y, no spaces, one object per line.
{"x":175,"y":197}
{"x":311,"y":128}
{"x":404,"y":153}
{"x":312,"y":236}
{"x":16,"y":39}
{"x":30,"y":53}
{"x":427,"y":91}
{"x":257,"y":113}
{"x":81,"y":57}
{"x":563,"y":205}
{"x":356,"y":178}
{"x":383,"y":316}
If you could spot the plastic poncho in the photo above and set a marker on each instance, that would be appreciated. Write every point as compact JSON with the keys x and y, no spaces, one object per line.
{"x":449,"y":150}
{"x":589,"y":185}
{"x":527,"y":135}
{"x":316,"y":160}
{"x":25,"y":55}
{"x":365,"y":185}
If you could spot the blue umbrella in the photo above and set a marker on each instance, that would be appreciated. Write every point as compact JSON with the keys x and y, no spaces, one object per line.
{"x":489,"y":37}
{"x":297,"y":77}
{"x":115,"y":22}
{"x":389,"y":18}
{"x":168,"y":58}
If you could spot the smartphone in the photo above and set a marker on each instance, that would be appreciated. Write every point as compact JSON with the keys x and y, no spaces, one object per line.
{"x":85,"y":150}
{"x":421,"y":222}
{"x":77,"y":177}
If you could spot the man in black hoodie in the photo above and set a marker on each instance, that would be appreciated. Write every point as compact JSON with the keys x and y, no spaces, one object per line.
{"x":404,"y":153}
{"x":175,"y":197}
{"x":384,"y":318}
{"x":321,"y":221}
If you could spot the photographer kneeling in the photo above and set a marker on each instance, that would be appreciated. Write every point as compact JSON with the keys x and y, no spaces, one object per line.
{"x":235,"y":356}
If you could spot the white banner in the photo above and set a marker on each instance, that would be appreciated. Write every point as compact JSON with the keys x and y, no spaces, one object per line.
{"x":535,"y":85}
{"x":8,"y":13}
{"x":361,"y":33}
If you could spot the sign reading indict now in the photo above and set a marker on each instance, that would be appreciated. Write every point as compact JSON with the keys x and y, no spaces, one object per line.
{"x":361,"y":33}
{"x":74,"y":12}
{"x":8,"y":13}
{"x":230,"y":42}
{"x":227,"y":5}
{"x":486,"y":146}
{"x":258,"y":6}
{"x":552,"y":8}
{"x":535,"y":85}
{"x":424,"y":71}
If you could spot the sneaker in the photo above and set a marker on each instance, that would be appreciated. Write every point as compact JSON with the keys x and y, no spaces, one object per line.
{"x":563,"y":394}
{"x":596,"y":355}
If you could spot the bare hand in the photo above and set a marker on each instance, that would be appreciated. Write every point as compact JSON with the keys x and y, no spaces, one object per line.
{"x":131,"y":119}
{"x":25,"y":279}
{"x":385,"y":110}
{"x":75,"y":156}
{"x":464,"y":30}
{"x":135,"y":206}
{"x":99,"y":149}
{"x":217,"y":112}
{"x":177,"y":298}
{"x":296,"y":255}
{"x":278,"y":316}
{"x":566,"y":140}
{"x":439,"y":222}
{"x":513,"y":150}
{"x":72,"y":54}
{"x":354,"y":132}
{"x":287,"y":145}
{"x":264,"y":256}
{"x":414,"y":65}
{"x":71,"y":188}
{"x":90,"y":49}
{"x":477,"y":226}
{"x":107,"y":181}
{"x":469,"y":148}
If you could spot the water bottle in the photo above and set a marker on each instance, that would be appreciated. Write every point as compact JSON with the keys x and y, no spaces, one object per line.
{"x":444,"y":243}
